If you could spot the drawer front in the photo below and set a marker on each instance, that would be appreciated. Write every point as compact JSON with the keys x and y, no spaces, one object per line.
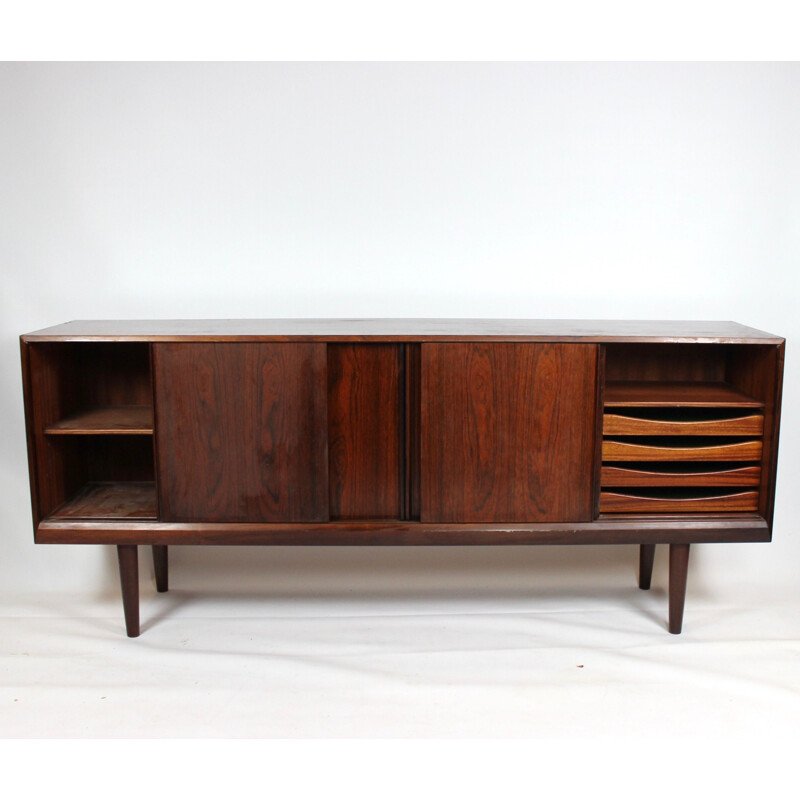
{"x":625,"y":503}
{"x":749,"y":475}
{"x":622,"y":425}
{"x":635,"y":451}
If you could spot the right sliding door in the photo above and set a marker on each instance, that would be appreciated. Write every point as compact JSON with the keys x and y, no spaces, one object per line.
{"x":508,"y":432}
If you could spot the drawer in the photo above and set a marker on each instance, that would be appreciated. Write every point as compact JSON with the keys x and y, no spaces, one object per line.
{"x":659,"y":475}
{"x":624,"y":425}
{"x":688,"y":502}
{"x":637,"y":451}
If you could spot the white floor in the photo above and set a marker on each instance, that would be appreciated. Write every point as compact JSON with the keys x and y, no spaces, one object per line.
{"x":453,"y":646}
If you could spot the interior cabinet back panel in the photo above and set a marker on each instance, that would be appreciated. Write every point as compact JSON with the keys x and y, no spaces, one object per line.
{"x":241,"y":432}
{"x":366,"y":431}
{"x":508,"y":432}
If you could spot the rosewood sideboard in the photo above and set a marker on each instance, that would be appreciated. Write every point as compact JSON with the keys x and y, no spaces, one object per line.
{"x":401,"y":432}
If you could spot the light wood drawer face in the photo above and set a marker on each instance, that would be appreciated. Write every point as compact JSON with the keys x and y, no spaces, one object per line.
{"x":680,"y":447}
{"x":659,"y":475}
{"x":634,"y":451}
{"x":621,"y":502}
{"x":623,"y":425}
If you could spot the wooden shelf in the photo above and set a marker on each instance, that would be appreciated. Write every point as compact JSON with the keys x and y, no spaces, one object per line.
{"x":106,"y":420}
{"x":672,"y":394}
{"x":119,"y":500}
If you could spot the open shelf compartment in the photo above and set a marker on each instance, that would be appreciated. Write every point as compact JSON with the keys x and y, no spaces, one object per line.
{"x":111,"y":500}
{"x":93,"y":428}
{"x":130,"y":420}
{"x":683,"y":431}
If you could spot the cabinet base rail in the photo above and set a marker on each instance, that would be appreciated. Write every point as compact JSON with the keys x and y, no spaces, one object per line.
{"x":608,"y":529}
{"x":128,"y":555}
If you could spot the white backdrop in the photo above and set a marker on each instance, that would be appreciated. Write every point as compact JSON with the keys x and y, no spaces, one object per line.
{"x":636,"y":191}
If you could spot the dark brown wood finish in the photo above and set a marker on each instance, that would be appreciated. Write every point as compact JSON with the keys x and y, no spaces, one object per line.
{"x":759,"y":371}
{"x":128,"y":557}
{"x":60,"y":468}
{"x":120,"y":500}
{"x":609,"y":529}
{"x":161,"y":567}
{"x":366,"y":431}
{"x":507,"y":432}
{"x":598,"y":429}
{"x":30,"y":430}
{"x":665,"y":362}
{"x":647,"y":554}
{"x":491,"y":432}
{"x":126,"y":420}
{"x":413,"y":411}
{"x":242,"y":432}
{"x":685,"y":394}
{"x":678,"y":573}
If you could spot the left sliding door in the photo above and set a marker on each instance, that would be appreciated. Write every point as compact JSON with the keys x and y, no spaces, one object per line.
{"x":241,"y":431}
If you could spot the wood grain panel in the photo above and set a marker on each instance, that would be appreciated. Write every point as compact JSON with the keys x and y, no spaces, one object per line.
{"x":366,"y":431}
{"x":507,"y":432}
{"x":241,"y":432}
{"x":630,"y":451}
{"x":54,"y":392}
{"x":413,"y":379}
{"x":665,"y":362}
{"x":626,"y":476}
{"x":618,"y":502}
{"x":115,"y":374}
{"x":621,"y":425}
{"x":631,"y":529}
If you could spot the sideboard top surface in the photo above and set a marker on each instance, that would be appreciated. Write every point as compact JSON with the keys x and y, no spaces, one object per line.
{"x":407,"y":330}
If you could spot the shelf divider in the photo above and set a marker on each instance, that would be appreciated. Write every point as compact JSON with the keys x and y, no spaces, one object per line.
{"x":670,"y":394}
{"x":130,"y":420}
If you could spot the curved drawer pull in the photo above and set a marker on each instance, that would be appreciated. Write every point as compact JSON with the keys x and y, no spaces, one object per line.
{"x":627,"y":476}
{"x":629,"y":451}
{"x":621,"y":425}
{"x":618,"y":502}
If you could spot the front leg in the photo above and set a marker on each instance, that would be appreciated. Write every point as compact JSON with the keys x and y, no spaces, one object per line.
{"x":678,"y":571}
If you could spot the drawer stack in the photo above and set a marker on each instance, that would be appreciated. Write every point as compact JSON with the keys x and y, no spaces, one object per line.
{"x":680,"y":448}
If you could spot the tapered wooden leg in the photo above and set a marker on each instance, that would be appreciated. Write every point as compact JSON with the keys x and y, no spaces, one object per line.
{"x":678,"y":569}
{"x":647,"y":554}
{"x":161,"y":567}
{"x":128,"y":555}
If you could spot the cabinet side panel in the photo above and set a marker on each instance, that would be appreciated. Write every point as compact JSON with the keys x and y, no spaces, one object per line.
{"x":27,"y":396}
{"x":54,"y":391}
{"x":758,"y":371}
{"x":508,"y":432}
{"x":365,"y":431}
{"x":241,"y":432}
